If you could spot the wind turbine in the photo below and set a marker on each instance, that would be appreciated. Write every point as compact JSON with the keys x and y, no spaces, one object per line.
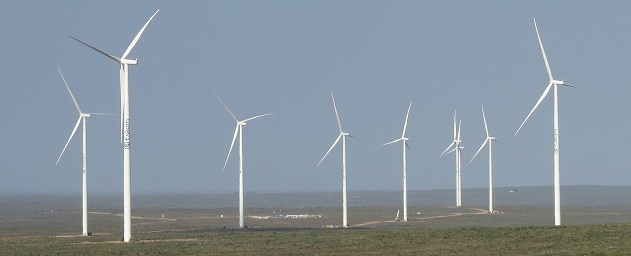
{"x":343,"y":137}
{"x":490,"y":140}
{"x":552,"y":84}
{"x":458,"y":149}
{"x":238,"y":131}
{"x":82,"y":119}
{"x":405,"y":182}
{"x":125,"y":123}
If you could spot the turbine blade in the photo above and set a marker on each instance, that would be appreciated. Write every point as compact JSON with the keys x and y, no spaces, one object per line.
{"x":122,"y":98}
{"x":94,"y":48}
{"x":331,"y":148}
{"x":498,"y":141}
{"x":71,"y":95}
{"x":389,"y":142}
{"x":543,"y":52}
{"x":486,"y":128}
{"x":405,"y":125}
{"x":569,"y":85}
{"x":339,"y":124}
{"x":454,"y":125}
{"x":236,"y":132}
{"x":257,"y":117}
{"x":133,"y":43}
{"x":545,"y":92}
{"x":226,"y":107}
{"x":69,"y":139}
{"x":459,"y":125}
{"x":407,"y":145}
{"x":452,"y":143}
{"x":476,"y":153}
{"x":102,"y":114}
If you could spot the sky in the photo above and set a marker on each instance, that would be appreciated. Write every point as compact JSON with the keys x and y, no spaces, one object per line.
{"x":286,"y":58}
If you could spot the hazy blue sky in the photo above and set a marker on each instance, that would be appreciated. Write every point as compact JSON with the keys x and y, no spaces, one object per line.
{"x":286,"y":57}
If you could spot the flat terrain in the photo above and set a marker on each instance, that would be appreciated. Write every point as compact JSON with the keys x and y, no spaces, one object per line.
{"x":189,"y":225}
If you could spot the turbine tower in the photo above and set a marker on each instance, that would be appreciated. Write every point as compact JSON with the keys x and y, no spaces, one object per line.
{"x":458,"y":149}
{"x":405,"y":182}
{"x":238,"y":131}
{"x":343,"y":137}
{"x":490,"y":140}
{"x":552,"y":84}
{"x":82,"y":119}
{"x":125,"y":123}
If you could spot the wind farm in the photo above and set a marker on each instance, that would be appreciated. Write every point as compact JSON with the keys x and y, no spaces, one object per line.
{"x":489,"y":139}
{"x":342,"y":136}
{"x":553,"y":84}
{"x":125,"y":122}
{"x":207,"y":63}
{"x":83,"y":122}
{"x":404,"y":141}
{"x":457,"y":148}
{"x":238,"y":131}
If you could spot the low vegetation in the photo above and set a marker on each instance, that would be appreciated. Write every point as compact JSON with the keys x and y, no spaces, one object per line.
{"x":603,"y":239}
{"x":518,"y":230}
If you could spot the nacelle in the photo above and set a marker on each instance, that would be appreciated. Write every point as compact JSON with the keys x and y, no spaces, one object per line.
{"x":557,"y":82}
{"x":129,"y":62}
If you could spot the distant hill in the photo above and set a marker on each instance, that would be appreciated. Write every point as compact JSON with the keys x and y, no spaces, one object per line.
{"x":583,"y":195}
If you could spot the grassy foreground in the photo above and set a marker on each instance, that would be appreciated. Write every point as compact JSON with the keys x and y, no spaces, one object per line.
{"x":50,"y":225}
{"x":602,"y":239}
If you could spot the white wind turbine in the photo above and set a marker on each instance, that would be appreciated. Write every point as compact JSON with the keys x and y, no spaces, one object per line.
{"x":238,"y":131}
{"x":552,"y":84}
{"x":458,"y":149}
{"x":405,"y":145}
{"x":343,"y":137}
{"x":490,"y":140}
{"x":82,"y":119}
{"x":125,"y":124}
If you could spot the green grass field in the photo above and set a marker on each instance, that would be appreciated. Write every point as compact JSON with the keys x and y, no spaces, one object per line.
{"x":519,"y":230}
{"x":603,"y":239}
